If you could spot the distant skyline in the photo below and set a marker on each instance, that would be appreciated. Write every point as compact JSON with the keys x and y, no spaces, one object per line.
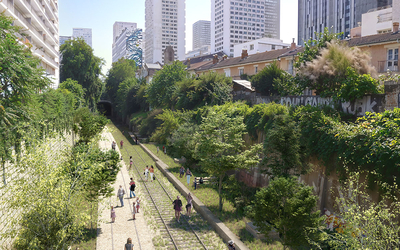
{"x":100,"y":15}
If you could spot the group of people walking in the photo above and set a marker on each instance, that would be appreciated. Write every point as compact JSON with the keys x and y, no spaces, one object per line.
{"x":121,"y":194}
{"x":178,"y":206}
{"x":146,"y":172}
{"x":188,"y":173}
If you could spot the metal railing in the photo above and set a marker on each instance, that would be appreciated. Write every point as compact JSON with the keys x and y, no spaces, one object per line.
{"x":388,"y":65}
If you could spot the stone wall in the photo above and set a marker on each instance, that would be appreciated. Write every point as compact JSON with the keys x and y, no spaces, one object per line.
{"x":370,"y":103}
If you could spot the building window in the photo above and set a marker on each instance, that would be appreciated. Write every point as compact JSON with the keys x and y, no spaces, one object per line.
{"x":241,"y":71}
{"x":227,"y":72}
{"x":251,"y":46}
{"x":255,"y":69}
{"x":392,"y":59}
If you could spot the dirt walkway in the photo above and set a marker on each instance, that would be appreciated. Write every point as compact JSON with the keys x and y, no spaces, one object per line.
{"x":114,"y":235}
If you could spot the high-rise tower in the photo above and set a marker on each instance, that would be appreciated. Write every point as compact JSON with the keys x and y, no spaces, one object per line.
{"x":201,"y":34}
{"x":84,"y":33}
{"x":238,"y":21}
{"x":337,"y":15}
{"x":165,"y":25}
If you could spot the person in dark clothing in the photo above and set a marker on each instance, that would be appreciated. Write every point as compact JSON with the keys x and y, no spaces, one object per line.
{"x":132,"y":188}
{"x":178,"y":207}
{"x":231,"y":245}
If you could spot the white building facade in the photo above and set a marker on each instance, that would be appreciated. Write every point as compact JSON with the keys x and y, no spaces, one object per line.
{"x":201,"y":34}
{"x":259,"y":45}
{"x":39,"y":21}
{"x":165,"y":25}
{"x":129,"y":44}
{"x":238,"y":21}
{"x":380,"y":20}
{"x":204,"y":50}
{"x":84,"y":33}
{"x":119,"y":27}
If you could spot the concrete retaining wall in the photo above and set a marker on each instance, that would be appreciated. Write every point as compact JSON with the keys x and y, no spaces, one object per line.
{"x":218,"y":226}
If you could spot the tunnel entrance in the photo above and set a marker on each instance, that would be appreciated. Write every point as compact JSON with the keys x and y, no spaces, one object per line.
{"x":105,"y":108}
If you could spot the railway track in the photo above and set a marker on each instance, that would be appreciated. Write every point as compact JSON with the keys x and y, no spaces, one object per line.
{"x":190,"y":233}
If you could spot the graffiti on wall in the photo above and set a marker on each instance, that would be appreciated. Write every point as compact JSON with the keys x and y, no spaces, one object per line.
{"x":359,"y":107}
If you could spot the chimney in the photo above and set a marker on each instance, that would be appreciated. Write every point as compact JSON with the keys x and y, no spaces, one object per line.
{"x":215,"y":59}
{"x":244,"y":53}
{"x":188,"y":63}
{"x":224,"y":57}
{"x":293,"y":45}
{"x":395,"y":27}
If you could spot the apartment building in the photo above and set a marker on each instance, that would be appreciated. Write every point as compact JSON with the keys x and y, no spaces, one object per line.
{"x":39,"y":20}
{"x":238,"y":21}
{"x":337,"y":15}
{"x":119,"y":27}
{"x":129,"y":44}
{"x":84,"y":33}
{"x":165,"y":25}
{"x":201,"y":34}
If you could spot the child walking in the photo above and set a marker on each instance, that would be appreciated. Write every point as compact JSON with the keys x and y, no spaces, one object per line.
{"x":113,"y":214}
{"x":133,"y":211}
{"x":137,"y":204}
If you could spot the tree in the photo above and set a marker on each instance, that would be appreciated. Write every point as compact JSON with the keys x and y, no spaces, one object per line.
{"x":88,"y":125}
{"x":220,"y":146}
{"x":125,"y":99}
{"x":161,"y":90}
{"x":208,"y":89}
{"x":20,"y":79}
{"x":282,"y":148}
{"x":80,"y":64}
{"x":75,"y":88}
{"x":263,"y":81}
{"x":328,"y":74}
{"x":120,"y":71}
{"x":289,"y":207}
{"x":312,"y":47}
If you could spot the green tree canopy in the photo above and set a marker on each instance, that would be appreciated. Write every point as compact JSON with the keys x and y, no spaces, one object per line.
{"x":161,"y":91}
{"x":289,"y":207}
{"x":80,"y":64}
{"x":263,"y":81}
{"x":120,"y":71}
{"x":75,"y":88}
{"x":208,"y":89}
{"x":220,"y":146}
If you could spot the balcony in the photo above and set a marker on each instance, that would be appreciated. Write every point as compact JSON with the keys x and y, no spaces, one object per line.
{"x":388,"y":65}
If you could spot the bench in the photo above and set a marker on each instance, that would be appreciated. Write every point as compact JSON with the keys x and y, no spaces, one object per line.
{"x":206,"y":180}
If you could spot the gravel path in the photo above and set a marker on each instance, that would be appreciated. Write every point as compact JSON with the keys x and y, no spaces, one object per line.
{"x":114,"y":235}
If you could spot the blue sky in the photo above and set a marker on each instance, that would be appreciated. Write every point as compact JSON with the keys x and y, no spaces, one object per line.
{"x":100,"y":15}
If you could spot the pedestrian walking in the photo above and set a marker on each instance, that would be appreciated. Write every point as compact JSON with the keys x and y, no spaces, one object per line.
{"x":165,"y":150}
{"x":158,"y":149}
{"x":133,"y":211}
{"x":128,"y":245}
{"x":188,"y":175}
{"x":181,"y":171}
{"x":189,"y":205}
{"x":120,"y":195}
{"x":132,"y":188}
{"x":136,"y":140}
{"x":137,"y":204}
{"x":178,"y":208}
{"x":151,"y":172}
{"x":113,"y":145}
{"x":231,"y":245}
{"x":121,"y":143}
{"x":146,"y":172}
{"x":130,"y":162}
{"x":113,"y":214}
